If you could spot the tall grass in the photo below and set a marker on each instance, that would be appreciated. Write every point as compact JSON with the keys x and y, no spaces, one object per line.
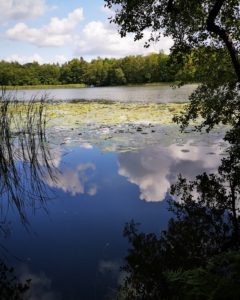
{"x":24,"y":155}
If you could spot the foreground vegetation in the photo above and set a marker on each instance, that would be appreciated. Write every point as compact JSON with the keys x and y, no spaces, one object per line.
{"x":24,"y":162}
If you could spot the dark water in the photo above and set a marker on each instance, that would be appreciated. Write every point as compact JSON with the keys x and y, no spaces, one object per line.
{"x":72,"y":245}
{"x":155,"y":94}
{"x":74,"y":248}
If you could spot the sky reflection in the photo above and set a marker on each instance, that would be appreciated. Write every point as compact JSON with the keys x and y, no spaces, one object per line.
{"x":75,"y":181}
{"x":154,"y":169}
{"x":78,"y":246}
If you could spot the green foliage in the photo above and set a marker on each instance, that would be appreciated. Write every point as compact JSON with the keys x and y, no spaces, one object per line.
{"x":130,"y":17}
{"x":206,"y":37}
{"x":215,"y":104}
{"x":99,"y":72}
{"x":218,"y":280}
{"x":217,"y":99}
{"x":189,"y":23}
{"x":73,"y":71}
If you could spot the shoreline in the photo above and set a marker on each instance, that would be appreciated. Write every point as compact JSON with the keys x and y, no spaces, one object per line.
{"x":82,"y":86}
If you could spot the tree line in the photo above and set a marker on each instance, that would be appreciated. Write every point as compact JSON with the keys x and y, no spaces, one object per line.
{"x":155,"y":67}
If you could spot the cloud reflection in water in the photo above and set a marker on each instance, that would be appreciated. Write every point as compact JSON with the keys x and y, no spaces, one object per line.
{"x":76,"y":181}
{"x":40,"y":286}
{"x":154,"y":169}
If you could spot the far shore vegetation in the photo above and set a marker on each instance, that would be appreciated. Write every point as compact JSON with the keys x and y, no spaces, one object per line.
{"x":153,"y":69}
{"x":46,"y":86}
{"x":82,"y":85}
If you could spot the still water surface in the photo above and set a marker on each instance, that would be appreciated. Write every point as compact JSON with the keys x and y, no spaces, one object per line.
{"x":74,"y":248}
{"x":155,"y":94}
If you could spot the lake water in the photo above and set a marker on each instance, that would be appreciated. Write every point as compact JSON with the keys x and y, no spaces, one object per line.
{"x":154,"y":94}
{"x":73,"y":249}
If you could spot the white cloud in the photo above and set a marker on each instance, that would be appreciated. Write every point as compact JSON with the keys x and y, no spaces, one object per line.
{"x":56,"y":34}
{"x":21,"y":9}
{"x":102,"y":39}
{"x":65,"y":25}
{"x":95,"y":39}
{"x":61,"y":59}
{"x":23,"y":59}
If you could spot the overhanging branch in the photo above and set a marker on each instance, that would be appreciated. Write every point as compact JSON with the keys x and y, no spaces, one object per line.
{"x":212,"y":27}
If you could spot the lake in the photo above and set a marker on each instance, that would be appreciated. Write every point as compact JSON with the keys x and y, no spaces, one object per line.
{"x":108,"y":172}
{"x":153,"y":94}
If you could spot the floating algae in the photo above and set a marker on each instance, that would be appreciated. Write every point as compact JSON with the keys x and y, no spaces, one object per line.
{"x":119,"y":127}
{"x":73,"y":114}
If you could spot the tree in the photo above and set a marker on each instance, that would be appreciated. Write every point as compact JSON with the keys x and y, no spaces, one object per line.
{"x":206,"y":33}
{"x":119,"y":77}
{"x":193,"y":25}
{"x":190,"y":23}
{"x":73,"y":71}
{"x":48,"y":74}
{"x":97,"y":72}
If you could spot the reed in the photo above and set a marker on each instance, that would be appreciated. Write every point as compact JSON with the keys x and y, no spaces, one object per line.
{"x":25,"y":157}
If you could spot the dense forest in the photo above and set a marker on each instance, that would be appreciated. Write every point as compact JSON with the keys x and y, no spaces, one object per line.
{"x":99,"y":72}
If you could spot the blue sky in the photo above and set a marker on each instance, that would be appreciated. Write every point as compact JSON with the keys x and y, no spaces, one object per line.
{"x":57,"y":31}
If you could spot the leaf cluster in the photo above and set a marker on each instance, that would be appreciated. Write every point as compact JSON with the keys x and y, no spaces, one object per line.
{"x":184,"y":20}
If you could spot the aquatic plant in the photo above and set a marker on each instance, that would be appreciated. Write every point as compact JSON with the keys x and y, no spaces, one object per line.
{"x":24,"y":154}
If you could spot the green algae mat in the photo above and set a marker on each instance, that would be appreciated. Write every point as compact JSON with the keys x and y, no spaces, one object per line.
{"x":112,"y":113}
{"x":118,"y":127}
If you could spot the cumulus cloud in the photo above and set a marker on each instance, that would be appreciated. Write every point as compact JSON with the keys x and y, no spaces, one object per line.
{"x":21,"y":9}
{"x":55,"y":34}
{"x":155,"y":169}
{"x":98,"y":38}
{"x":87,"y":42}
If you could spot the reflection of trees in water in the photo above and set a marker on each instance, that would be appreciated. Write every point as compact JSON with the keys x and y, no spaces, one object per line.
{"x":24,"y":162}
{"x":10,"y":287}
{"x":197,"y":256}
